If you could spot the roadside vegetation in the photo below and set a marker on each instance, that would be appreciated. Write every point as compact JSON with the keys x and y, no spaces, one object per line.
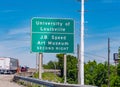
{"x":95,"y":73}
{"x":49,"y":77}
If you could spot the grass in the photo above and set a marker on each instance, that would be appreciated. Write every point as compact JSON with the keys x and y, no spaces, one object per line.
{"x":45,"y":76}
{"x":49,"y":76}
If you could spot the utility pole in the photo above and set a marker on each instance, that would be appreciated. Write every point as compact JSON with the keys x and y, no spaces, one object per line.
{"x":81,"y":57}
{"x":78,"y":65}
{"x":108,"y":62}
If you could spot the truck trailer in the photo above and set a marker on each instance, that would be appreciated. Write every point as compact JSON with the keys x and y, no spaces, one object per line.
{"x":8,"y":65}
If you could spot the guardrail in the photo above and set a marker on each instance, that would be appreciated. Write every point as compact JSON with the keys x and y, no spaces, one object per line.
{"x":47,"y":83}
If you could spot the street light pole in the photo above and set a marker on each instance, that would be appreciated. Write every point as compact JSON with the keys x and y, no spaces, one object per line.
{"x":81,"y":48}
{"x":81,"y":57}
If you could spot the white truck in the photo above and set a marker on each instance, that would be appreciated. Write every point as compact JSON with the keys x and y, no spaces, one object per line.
{"x":8,"y":65}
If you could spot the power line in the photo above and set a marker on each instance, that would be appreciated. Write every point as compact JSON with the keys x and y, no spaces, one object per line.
{"x":94,"y":55}
{"x":94,"y":58}
{"x":116,"y":40}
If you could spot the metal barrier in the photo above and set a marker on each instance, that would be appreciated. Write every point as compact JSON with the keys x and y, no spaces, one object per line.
{"x":47,"y":83}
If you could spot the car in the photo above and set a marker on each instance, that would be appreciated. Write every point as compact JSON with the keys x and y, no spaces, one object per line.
{"x":23,"y":69}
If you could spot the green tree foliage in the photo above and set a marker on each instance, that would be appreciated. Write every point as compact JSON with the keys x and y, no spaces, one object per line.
{"x":118,"y":69}
{"x":89,"y":72}
{"x":51,"y":65}
{"x":95,"y":73}
{"x":118,"y":66}
{"x":101,"y":75}
{"x":71,"y":67}
{"x":119,"y":52}
{"x":115,"y":82}
{"x":60,"y":62}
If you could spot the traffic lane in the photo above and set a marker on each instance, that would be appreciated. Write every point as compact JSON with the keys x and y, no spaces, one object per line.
{"x":6,"y":81}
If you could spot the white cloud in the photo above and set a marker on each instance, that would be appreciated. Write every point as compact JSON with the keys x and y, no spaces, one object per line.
{"x":19,"y":31}
{"x":96,"y":35}
{"x":98,"y":44}
{"x":7,"y":11}
{"x":110,"y":32}
{"x":16,"y":43}
{"x":96,"y":47}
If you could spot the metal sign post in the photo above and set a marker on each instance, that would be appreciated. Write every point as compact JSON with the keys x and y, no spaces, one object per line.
{"x":65,"y":64}
{"x":40,"y":65}
{"x":37,"y":60}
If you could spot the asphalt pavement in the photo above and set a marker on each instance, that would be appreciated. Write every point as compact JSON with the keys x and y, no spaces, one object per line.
{"x":6,"y":81}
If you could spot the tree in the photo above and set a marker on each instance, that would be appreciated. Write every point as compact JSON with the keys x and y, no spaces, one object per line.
{"x":60,"y":62}
{"x":118,"y":66}
{"x":96,"y":74}
{"x":115,"y":82}
{"x":71,"y":67}
{"x":119,"y":52}
{"x":51,"y":65}
{"x":118,"y":69}
{"x":101,"y":75}
{"x":72,"y":71}
{"x":90,"y":72}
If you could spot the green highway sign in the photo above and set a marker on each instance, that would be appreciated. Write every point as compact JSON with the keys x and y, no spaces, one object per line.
{"x":52,"y":25}
{"x":52,"y":35}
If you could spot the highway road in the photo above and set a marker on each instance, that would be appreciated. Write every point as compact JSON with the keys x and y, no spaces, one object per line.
{"x":6,"y":81}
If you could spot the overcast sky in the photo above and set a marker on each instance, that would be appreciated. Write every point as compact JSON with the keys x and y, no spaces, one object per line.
{"x":102,"y":20}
